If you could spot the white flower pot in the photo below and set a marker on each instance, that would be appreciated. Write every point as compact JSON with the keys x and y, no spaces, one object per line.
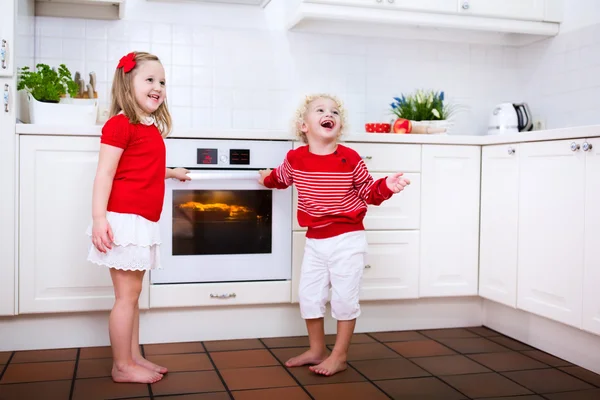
{"x":443,"y":123}
{"x":67,"y":112}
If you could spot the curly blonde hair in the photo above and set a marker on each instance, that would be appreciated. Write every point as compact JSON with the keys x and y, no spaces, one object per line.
{"x":303,"y":108}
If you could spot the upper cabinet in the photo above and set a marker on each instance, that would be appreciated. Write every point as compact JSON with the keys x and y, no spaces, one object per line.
{"x":91,"y":9}
{"x":510,"y":22}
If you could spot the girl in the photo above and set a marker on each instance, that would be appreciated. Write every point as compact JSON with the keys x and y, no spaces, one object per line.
{"x":334,"y":188}
{"x":127,"y":202}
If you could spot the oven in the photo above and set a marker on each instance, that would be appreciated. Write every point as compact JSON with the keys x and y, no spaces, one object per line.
{"x":222,"y":225}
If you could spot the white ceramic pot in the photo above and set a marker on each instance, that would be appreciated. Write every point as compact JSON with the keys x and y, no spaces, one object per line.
{"x":66,"y":112}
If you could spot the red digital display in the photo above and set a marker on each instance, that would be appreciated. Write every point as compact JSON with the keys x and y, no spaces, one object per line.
{"x":207,"y":156}
{"x":239,"y":157}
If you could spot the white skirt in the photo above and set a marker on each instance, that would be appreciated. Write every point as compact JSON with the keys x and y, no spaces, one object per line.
{"x":136,"y":245}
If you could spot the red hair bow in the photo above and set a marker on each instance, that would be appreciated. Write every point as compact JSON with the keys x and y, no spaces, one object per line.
{"x":127,"y":62}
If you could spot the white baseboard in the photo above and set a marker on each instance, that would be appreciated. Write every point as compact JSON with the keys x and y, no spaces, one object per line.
{"x":52,"y":331}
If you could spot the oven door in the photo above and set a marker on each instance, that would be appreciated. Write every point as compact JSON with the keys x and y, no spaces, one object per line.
{"x":223,"y":226}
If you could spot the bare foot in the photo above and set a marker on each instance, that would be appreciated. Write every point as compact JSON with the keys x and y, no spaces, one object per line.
{"x":150,"y":365}
{"x":309,"y":357}
{"x":135,"y":373}
{"x":332,"y":365}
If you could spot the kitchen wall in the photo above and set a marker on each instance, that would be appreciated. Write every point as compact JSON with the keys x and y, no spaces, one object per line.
{"x":236,"y":67}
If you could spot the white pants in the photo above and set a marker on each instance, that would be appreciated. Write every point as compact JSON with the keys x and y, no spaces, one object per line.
{"x":336,"y":262}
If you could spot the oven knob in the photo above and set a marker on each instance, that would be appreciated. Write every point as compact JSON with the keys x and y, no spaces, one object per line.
{"x":223,"y":159}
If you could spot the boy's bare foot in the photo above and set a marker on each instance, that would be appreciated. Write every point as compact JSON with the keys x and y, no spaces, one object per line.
{"x":309,"y":357}
{"x":332,"y":365}
{"x":150,"y":365}
{"x":135,"y":374}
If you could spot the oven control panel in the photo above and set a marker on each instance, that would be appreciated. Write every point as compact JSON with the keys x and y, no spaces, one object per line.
{"x":208,"y":156}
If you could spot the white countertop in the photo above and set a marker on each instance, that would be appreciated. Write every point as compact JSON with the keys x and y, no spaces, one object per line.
{"x":553,"y":134}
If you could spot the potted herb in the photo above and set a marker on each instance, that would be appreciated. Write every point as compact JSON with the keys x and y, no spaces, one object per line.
{"x":423,"y":108}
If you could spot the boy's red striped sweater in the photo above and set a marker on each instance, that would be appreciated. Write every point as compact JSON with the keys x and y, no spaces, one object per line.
{"x":333,"y":190}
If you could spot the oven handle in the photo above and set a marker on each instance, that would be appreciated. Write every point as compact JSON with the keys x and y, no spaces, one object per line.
{"x":223,"y":175}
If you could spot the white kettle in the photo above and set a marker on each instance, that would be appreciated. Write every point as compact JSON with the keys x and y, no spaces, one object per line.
{"x":510,"y":118}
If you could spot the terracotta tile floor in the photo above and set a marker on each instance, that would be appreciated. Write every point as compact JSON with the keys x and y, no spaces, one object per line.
{"x":441,"y":364}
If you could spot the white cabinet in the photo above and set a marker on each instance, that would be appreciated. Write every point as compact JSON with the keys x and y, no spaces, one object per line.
{"x":92,"y":9}
{"x":7,"y":38}
{"x":57,"y":175}
{"x":450,"y":178}
{"x":551,"y":229}
{"x":499,"y":224}
{"x":528,"y":10}
{"x":591,"y":271}
{"x":391,"y":265}
{"x":413,"y":5}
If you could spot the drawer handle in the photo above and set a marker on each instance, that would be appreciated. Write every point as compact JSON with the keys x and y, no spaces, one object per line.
{"x":367,"y":158}
{"x":367,"y":266}
{"x":586,"y":146}
{"x":3,"y":54}
{"x":222,"y":296}
{"x":575,"y":146}
{"x":5,"y":97}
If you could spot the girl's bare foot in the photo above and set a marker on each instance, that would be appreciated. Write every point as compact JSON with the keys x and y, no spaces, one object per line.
{"x":309,"y":357}
{"x":332,"y":365}
{"x":134,"y":373}
{"x":150,"y":365}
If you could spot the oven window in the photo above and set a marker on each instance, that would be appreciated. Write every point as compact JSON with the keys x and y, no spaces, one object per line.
{"x":222,"y":222}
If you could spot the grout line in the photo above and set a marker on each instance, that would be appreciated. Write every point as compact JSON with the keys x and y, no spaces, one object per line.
{"x":217,"y":371}
{"x":6,"y":366}
{"x":74,"y":374}
{"x":286,"y":368}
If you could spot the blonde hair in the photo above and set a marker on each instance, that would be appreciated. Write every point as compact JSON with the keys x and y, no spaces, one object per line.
{"x":123,"y":97}
{"x":303,"y":108}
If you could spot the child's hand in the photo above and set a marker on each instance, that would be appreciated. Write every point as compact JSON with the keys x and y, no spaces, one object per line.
{"x":263,"y":174}
{"x":180,"y":174}
{"x":396,"y":183}
{"x":102,"y":235}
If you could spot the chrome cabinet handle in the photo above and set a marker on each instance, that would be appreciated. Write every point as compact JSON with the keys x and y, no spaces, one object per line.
{"x":575,"y":146}
{"x":3,"y":54}
{"x":367,"y":266}
{"x":586,"y":146}
{"x":5,"y":97}
{"x":511,"y":151}
{"x":466,"y":5}
{"x":223,"y":296}
{"x":367,"y":158}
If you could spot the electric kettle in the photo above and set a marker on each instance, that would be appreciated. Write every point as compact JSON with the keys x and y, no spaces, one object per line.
{"x":510,"y":118}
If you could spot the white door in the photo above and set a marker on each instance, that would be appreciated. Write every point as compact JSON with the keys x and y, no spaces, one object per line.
{"x":529,"y":10}
{"x":7,"y":38}
{"x":591,"y":274}
{"x":450,"y":180}
{"x":551,"y":229}
{"x":441,"y":6}
{"x":57,"y":175}
{"x":8,"y":265}
{"x":499,"y":224}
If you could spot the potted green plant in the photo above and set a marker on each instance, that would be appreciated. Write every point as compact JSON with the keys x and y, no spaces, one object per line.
{"x":47,"y":89}
{"x":424,"y":107}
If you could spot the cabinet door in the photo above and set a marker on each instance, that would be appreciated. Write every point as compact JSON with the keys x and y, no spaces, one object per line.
{"x":450,"y":180}
{"x":529,"y":10}
{"x":551,"y":230}
{"x":499,"y":224}
{"x":57,"y":175}
{"x":591,"y":274}
{"x":7,"y":203}
{"x":7,"y":37}
{"x":441,"y":6}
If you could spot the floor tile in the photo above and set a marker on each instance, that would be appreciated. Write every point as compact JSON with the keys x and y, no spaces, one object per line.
{"x":526,"y":397}
{"x":307,"y":377}
{"x":346,"y":391}
{"x":296,"y":341}
{"x":4,"y":356}
{"x":483,"y":331}
{"x":44,"y":355}
{"x":285,"y":354}
{"x":36,"y":372}
{"x":510,"y":343}
{"x":358,"y":338}
{"x":183,"y":362}
{"x":287,"y":393}
{"x":394,"y":368}
{"x":105,"y":388}
{"x":507,"y":361}
{"x":547,"y":358}
{"x":188,"y":382}
{"x":94,"y":368}
{"x":53,"y":390}
{"x":581,"y":395}
{"x":173,"y":348}
{"x":257,"y":378}
{"x":197,"y":396}
{"x":229,"y":345}
{"x":398,"y":336}
{"x":450,"y":365}
{"x":473,"y":345}
{"x":548,"y":381}
{"x":87,"y":353}
{"x":419,"y":389}
{"x":485,"y":385}
{"x":420,"y":348}
{"x":370,"y":351}
{"x":583,"y":374}
{"x":449,"y":333}
{"x":243,"y":359}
